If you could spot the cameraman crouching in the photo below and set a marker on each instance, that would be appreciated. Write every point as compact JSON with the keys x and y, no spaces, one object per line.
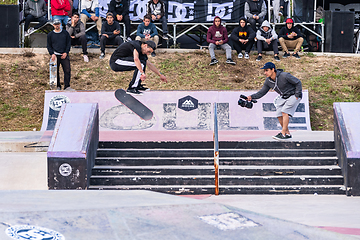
{"x":290,"y":90}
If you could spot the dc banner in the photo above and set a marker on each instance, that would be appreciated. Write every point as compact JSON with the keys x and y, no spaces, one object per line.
{"x":198,"y":11}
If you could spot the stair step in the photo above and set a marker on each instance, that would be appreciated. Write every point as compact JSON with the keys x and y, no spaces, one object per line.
{"x":109,"y":152}
{"x":151,"y":161}
{"x":222,"y":145}
{"x":235,"y":189}
{"x":208,"y":180}
{"x":108,"y":170}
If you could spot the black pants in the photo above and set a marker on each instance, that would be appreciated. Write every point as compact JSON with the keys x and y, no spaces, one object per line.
{"x":126,"y":20}
{"x":163,"y":21}
{"x":81,"y":40}
{"x":116,"y":40}
{"x":30,"y":18}
{"x":65,"y":63}
{"x":128,"y":64}
{"x":308,"y":10}
{"x":285,"y":7}
{"x":239,"y":46}
{"x":263,"y":45}
{"x":253,"y":22}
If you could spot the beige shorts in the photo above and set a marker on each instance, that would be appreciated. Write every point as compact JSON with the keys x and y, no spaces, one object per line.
{"x":286,"y":105}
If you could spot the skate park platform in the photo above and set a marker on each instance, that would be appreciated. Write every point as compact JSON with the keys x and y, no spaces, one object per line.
{"x":179,"y":115}
{"x":149,"y":215}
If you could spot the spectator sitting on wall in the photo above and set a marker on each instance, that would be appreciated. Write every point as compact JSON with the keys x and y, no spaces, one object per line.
{"x":76,"y":30}
{"x":217,"y":36}
{"x":90,"y":10}
{"x":147,"y":31}
{"x":290,"y":37}
{"x":110,"y":33}
{"x":255,"y":11}
{"x":120,"y":10}
{"x":59,"y":10}
{"x":267,"y":39}
{"x":156,"y":9}
{"x":35,"y":11}
{"x":243,"y":38}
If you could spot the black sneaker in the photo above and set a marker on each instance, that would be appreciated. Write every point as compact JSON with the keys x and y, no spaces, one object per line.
{"x":213,"y":61}
{"x":230,"y":61}
{"x":153,"y":54}
{"x":279,"y":136}
{"x":277,"y":58}
{"x":102,"y":55}
{"x":296,"y":55}
{"x":258,"y":58}
{"x":142,"y":88}
{"x":133,"y":91}
{"x":286,"y":55}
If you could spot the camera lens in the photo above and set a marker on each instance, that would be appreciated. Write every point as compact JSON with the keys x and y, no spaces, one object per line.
{"x":249,"y":105}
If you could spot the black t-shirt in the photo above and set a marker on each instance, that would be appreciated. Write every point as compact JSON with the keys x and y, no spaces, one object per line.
{"x":127,"y":50}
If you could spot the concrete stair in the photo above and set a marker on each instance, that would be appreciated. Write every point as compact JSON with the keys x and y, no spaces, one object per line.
{"x":257,"y":167}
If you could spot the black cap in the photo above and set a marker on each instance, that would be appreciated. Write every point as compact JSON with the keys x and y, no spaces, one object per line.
{"x":151,"y":44}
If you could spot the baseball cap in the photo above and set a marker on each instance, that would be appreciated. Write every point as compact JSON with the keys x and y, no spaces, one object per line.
{"x":109,"y":14}
{"x":56,"y":21}
{"x":151,"y":44}
{"x":289,"y":20}
{"x":268,"y":65}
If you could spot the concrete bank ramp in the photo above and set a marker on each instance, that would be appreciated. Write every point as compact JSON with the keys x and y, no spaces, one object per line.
{"x":115,"y":215}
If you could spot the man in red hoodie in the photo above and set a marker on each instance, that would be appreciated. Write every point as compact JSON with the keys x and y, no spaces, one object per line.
{"x":217,"y":36}
{"x":59,"y":10}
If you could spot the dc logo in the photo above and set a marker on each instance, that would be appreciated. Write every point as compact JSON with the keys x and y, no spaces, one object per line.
{"x":223,"y":10}
{"x":180,"y":12}
{"x":65,"y":169}
{"x":137,"y":9}
{"x":22,"y":232}
{"x":57,"y":101}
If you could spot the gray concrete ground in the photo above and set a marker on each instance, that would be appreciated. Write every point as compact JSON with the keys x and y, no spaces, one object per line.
{"x":73,"y":212}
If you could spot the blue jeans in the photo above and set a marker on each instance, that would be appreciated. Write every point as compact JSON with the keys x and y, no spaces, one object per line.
{"x":63,"y":19}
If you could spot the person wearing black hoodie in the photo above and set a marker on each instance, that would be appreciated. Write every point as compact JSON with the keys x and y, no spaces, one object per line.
{"x":290,"y":37}
{"x":243,"y":38}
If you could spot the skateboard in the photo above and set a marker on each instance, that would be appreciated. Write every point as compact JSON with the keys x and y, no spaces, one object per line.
{"x":133,"y":104}
{"x":53,"y":74}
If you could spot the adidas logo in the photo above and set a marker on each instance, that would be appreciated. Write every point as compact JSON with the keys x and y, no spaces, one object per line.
{"x":188,"y":104}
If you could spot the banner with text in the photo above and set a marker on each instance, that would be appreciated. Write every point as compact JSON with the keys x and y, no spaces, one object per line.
{"x":199,"y":11}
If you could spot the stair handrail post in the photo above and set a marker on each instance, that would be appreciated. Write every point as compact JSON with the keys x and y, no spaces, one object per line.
{"x":216,"y":150}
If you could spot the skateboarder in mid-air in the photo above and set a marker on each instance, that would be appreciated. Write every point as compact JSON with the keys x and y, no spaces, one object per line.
{"x":289,"y":89}
{"x":133,"y":55}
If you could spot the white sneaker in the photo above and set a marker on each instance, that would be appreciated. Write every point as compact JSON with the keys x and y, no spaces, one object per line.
{"x":29,"y":31}
{"x":86,"y":58}
{"x":246,"y":56}
{"x":240,"y":55}
{"x":69,"y":89}
{"x":102,"y":55}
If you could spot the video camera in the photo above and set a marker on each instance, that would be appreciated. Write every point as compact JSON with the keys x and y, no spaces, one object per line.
{"x":246,"y":103}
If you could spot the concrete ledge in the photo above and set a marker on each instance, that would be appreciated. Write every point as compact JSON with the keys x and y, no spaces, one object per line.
{"x":25,"y":141}
{"x":347,"y":144}
{"x":73,"y":146}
